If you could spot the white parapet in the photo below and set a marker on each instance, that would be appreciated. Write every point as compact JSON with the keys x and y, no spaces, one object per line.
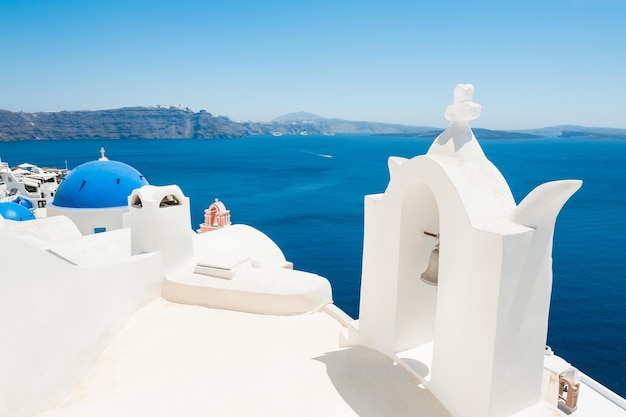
{"x":240,"y":268}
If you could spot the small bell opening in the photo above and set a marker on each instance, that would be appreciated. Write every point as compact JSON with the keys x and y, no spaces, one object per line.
{"x":431,"y":274}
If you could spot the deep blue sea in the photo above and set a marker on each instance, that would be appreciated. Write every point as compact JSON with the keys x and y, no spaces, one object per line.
{"x":306,"y":193}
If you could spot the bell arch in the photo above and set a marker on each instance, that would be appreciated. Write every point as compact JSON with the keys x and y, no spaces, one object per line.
{"x":212,"y":215}
{"x":170,"y":200}
{"x":416,"y":300}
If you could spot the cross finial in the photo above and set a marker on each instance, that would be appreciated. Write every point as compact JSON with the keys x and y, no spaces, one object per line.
{"x":459,"y":113}
{"x":463,"y":109}
{"x":102,"y":157}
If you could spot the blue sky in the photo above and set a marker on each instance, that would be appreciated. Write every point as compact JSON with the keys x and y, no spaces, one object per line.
{"x":532,"y":63}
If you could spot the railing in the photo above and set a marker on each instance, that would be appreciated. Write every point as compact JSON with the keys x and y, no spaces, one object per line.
{"x":602,"y":390}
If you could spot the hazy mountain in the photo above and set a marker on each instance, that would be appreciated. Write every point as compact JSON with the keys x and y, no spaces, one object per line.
{"x":175,"y":122}
{"x":300,"y":116}
{"x":577,"y":131}
{"x":478,"y":132}
{"x":312,"y":123}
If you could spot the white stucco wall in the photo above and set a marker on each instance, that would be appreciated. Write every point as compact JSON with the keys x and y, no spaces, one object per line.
{"x":87,"y":220}
{"x":57,"y":318}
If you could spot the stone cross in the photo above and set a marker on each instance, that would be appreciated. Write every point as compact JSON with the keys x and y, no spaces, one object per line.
{"x":463,"y":109}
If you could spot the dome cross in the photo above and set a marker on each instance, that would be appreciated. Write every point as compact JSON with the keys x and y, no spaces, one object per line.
{"x":102,"y":157}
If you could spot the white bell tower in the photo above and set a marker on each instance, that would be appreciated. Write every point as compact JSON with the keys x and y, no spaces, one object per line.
{"x":160,"y":222}
{"x":475,"y":331}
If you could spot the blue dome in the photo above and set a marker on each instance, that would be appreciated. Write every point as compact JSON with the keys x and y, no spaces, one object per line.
{"x":98,"y":184}
{"x":24,"y":202}
{"x":13,"y":211}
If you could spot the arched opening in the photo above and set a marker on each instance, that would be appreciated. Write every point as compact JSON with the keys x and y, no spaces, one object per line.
{"x":136,"y":201}
{"x":417,"y":298}
{"x":212,"y":215}
{"x":169,"y":201}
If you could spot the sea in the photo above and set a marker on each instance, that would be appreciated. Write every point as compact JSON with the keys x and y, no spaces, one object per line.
{"x":307,"y":192}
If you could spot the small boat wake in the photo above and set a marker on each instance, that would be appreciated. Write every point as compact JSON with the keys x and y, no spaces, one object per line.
{"x":322,"y":155}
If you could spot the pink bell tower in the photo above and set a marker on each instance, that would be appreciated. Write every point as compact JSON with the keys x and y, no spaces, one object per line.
{"x":215,"y":217}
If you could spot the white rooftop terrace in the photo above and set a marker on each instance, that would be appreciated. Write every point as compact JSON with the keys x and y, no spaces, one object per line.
{"x":174,"y":359}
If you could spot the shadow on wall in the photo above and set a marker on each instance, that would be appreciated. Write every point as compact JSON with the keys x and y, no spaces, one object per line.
{"x":373,"y":385}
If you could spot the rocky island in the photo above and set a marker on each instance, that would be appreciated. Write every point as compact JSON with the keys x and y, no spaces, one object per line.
{"x":178,"y":122}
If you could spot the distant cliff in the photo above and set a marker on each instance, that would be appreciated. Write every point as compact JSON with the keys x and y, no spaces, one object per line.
{"x":591,"y":135}
{"x":170,"y":122}
{"x":574,"y":131}
{"x":125,"y":123}
{"x":478,"y":132}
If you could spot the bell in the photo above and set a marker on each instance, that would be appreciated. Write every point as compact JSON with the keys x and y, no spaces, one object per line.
{"x":431,"y":275}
